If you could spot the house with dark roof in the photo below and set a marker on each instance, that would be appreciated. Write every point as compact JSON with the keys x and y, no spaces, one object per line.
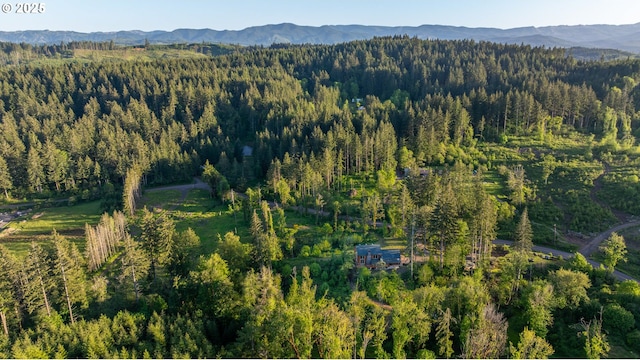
{"x":374,"y":257}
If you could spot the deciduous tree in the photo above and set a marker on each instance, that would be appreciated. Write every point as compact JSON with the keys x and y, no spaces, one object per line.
{"x":596,"y":344}
{"x":530,"y":346}
{"x":539,"y":304}
{"x":570,"y":287}
{"x":614,"y":250}
{"x":488,"y":337}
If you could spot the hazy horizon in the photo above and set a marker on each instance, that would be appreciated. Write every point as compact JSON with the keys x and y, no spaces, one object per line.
{"x":162,"y":15}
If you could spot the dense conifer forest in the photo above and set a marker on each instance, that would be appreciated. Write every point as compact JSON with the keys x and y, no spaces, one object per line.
{"x":435,"y":148}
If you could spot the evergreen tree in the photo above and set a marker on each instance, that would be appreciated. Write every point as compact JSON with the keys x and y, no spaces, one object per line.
{"x":443,"y":220}
{"x":135,"y":265}
{"x":37,"y":281}
{"x":9,"y":291}
{"x":524,"y":234}
{"x":6,"y":182}
{"x":69,"y":268}
{"x":157,"y":236}
{"x":444,"y":334}
{"x":35,"y":170}
{"x":183,"y":252}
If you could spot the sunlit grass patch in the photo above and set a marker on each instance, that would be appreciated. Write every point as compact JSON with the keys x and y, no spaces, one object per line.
{"x":64,"y":219}
{"x":197,"y":200}
{"x":162,"y":199}
{"x":394,"y":244}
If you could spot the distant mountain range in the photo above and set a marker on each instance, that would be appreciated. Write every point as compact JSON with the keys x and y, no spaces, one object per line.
{"x":620,"y":37}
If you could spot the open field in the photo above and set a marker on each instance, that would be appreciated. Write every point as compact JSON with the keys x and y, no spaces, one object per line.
{"x":206,"y":216}
{"x":137,"y":54}
{"x":65,"y":220}
{"x":68,"y":221}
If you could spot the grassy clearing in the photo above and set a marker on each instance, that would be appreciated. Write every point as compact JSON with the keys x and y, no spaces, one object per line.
{"x":67,"y":220}
{"x":494,"y":184}
{"x":206,"y":216}
{"x":161,"y":199}
{"x":134,"y":54}
{"x":394,"y":244}
{"x":37,"y":226}
{"x":197,"y":200}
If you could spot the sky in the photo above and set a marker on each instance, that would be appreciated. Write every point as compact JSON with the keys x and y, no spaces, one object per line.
{"x":148,"y":15}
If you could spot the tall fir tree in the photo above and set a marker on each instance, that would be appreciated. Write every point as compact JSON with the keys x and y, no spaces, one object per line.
{"x":6,"y":183}
{"x":524,"y":234}
{"x":69,"y":268}
{"x":9,"y":290}
{"x":38,"y":283}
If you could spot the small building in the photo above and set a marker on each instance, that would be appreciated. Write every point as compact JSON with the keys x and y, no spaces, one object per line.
{"x":372,"y":257}
{"x":247,"y":151}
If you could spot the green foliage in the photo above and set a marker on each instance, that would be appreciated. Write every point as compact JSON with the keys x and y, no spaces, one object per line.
{"x":157,"y":232}
{"x":633,"y":339}
{"x":579,"y":263}
{"x":583,"y":210}
{"x":530,"y":346}
{"x":523,"y":239}
{"x":183,"y":252}
{"x":596,"y":343}
{"x":234,"y":252}
{"x":621,"y":190}
{"x":570,"y":287}
{"x":617,"y":320}
{"x":539,"y":303}
{"x":613,"y":250}
{"x":444,"y":334}
{"x":6,"y":182}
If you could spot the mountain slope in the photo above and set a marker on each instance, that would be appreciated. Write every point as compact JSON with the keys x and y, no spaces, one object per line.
{"x":621,"y":37}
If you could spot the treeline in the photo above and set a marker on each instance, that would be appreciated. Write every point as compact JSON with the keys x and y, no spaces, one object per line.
{"x":19,"y":54}
{"x":14,"y":54}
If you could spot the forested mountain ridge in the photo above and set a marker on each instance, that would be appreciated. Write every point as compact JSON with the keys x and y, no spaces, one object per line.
{"x":446,"y":143}
{"x":621,"y":37}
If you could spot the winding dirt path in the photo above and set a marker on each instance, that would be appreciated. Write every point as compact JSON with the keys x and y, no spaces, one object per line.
{"x":626,"y":220}
{"x":555,"y":252}
{"x":594,"y":243}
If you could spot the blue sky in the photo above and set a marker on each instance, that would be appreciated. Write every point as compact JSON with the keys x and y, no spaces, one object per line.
{"x":113,"y":15}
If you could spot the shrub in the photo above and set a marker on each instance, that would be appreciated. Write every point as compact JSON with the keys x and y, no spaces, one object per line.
{"x":617,"y":319}
{"x":633,"y":340}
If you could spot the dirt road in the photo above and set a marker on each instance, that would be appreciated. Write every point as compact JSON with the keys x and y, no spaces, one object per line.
{"x":555,"y":252}
{"x":183,"y":189}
